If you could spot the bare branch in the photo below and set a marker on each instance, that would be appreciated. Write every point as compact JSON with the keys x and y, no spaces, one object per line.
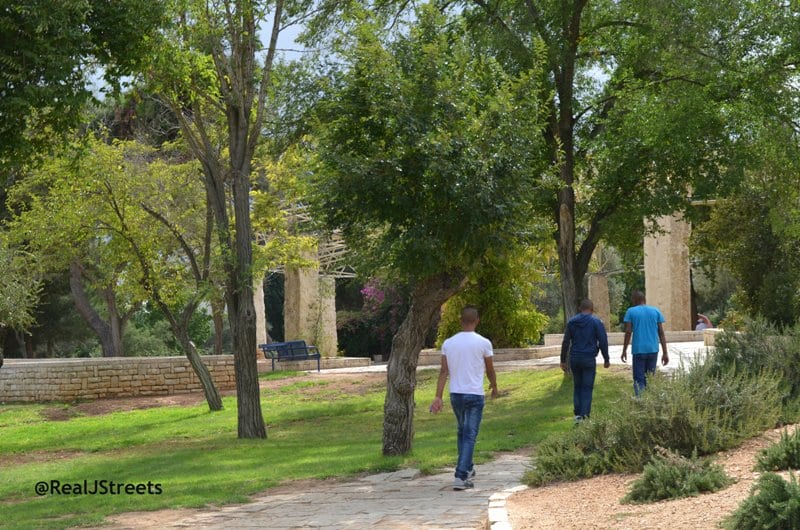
{"x":266,"y":77}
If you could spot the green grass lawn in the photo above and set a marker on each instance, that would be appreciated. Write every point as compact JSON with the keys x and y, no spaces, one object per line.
{"x":316,"y":430}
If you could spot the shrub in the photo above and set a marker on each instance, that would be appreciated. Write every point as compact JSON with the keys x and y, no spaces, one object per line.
{"x":672,"y":476}
{"x":762,"y":347}
{"x":692,"y":411}
{"x":782,"y":455}
{"x":508,"y":318}
{"x":773,"y":503}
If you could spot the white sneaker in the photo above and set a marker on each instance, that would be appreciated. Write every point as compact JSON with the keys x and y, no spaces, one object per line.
{"x":471,"y":474}
{"x":462,"y":484}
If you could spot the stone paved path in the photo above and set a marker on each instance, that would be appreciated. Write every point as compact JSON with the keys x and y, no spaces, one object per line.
{"x":400,"y":500}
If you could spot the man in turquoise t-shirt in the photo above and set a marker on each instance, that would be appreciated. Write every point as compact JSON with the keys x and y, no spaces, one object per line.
{"x":645,"y":322}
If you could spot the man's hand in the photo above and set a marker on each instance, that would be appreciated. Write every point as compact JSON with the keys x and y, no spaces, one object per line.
{"x":564,"y":367}
{"x":606,"y":363}
{"x":624,"y":356}
{"x":494,"y":392}
{"x":436,"y":406}
{"x":664,"y":358}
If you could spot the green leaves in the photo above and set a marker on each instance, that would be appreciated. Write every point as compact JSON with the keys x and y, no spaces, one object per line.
{"x":109,"y":205}
{"x":46,"y":53}
{"x":418,"y":149}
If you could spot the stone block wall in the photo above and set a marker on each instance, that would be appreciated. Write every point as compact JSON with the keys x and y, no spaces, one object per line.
{"x":41,"y":380}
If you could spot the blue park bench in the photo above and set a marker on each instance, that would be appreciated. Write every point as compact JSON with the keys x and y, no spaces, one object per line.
{"x":293,"y":350}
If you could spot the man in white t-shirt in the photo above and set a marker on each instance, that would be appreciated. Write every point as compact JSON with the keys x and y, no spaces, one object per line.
{"x":466,"y":357}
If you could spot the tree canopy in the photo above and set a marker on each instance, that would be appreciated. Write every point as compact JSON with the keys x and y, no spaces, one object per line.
{"x":48,"y":51}
{"x":427,"y":161}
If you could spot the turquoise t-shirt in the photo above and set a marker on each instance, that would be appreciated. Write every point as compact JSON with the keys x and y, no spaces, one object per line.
{"x":644,"y":321}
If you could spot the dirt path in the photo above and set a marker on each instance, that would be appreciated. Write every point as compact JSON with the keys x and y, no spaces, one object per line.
{"x":595,"y":503}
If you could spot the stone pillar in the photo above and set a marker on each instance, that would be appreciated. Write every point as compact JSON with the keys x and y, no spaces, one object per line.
{"x":666,"y":270}
{"x":598,"y":294}
{"x":261,"y":313}
{"x":327,"y":341}
{"x":301,"y":303}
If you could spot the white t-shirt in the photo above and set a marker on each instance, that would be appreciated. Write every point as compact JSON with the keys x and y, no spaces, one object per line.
{"x":465,"y":352}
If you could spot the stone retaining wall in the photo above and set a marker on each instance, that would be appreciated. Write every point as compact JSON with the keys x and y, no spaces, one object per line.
{"x":434,"y":357}
{"x":41,"y":380}
{"x":616,"y":338}
{"x":29,"y":380}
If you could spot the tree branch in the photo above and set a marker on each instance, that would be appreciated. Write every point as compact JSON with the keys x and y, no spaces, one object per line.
{"x":502,"y":24}
{"x":181,"y":240}
{"x":266,"y":77}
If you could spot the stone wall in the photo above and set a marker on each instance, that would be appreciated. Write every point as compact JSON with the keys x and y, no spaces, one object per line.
{"x":38,"y":380}
{"x":434,"y":357}
{"x":617,"y":338}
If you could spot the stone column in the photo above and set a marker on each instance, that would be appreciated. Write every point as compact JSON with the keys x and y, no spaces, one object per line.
{"x":261,"y":313}
{"x":301,"y":303}
{"x":598,"y":294}
{"x":666,"y":270}
{"x":327,"y":341}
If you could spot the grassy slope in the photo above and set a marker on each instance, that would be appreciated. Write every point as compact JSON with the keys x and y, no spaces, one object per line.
{"x":315,"y":431}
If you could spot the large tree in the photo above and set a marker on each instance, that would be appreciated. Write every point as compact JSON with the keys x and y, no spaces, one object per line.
{"x":754,"y":233}
{"x":142,"y":222}
{"x":650,"y":104}
{"x":214,"y":72}
{"x":419,"y":166}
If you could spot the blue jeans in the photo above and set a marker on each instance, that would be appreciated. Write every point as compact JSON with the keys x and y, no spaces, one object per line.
{"x":584,"y":369}
{"x":468,"y":409}
{"x":643,"y":364}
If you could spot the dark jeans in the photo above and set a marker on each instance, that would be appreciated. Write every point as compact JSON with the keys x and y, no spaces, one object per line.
{"x":584,"y":369}
{"x":643,"y":364}
{"x":468,"y":409}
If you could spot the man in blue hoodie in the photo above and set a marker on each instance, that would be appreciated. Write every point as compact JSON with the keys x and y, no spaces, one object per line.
{"x":584,"y":337}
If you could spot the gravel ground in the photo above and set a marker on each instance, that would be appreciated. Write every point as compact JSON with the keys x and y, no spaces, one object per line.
{"x":595,"y":503}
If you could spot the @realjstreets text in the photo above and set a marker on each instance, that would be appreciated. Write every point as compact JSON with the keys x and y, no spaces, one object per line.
{"x":96,"y":487}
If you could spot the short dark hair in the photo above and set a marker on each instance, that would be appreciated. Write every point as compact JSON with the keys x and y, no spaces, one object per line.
{"x":637,"y":297}
{"x":586,"y":305}
{"x":469,"y":314}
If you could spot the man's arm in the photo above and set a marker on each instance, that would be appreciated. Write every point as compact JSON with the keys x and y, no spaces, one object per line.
{"x":565,"y":344}
{"x":436,"y":406}
{"x":490,"y":373}
{"x":602,"y":337}
{"x":663,"y":339}
{"x":626,"y":341}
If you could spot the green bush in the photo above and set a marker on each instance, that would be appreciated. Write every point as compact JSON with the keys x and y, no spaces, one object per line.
{"x":773,"y":503}
{"x":508,"y":318}
{"x":782,"y":455}
{"x":692,"y":411}
{"x":672,"y":476}
{"x":763,"y":347}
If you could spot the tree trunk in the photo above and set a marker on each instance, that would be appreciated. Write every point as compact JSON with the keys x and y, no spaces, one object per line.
{"x":218,"y":315}
{"x":398,"y":409}
{"x":570,"y":288}
{"x":243,"y":316}
{"x":101,"y":328}
{"x":116,"y":322}
{"x":200,"y":369}
{"x":242,"y":320}
{"x":564,"y":76}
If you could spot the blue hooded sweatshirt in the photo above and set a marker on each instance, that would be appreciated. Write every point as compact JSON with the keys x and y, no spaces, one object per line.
{"x":585,"y":336}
